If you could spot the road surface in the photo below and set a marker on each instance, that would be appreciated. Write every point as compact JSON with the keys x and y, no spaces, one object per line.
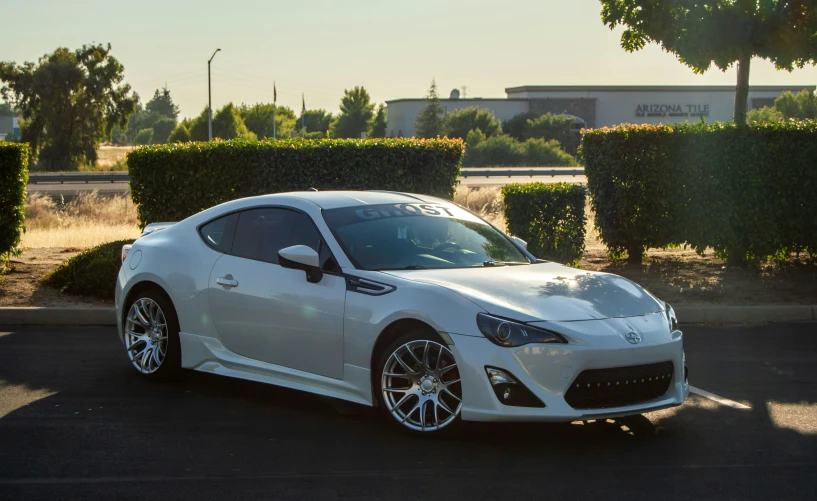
{"x":77,"y":423}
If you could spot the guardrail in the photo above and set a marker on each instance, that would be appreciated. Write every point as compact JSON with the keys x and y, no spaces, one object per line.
{"x":77,"y":177}
{"x":521,"y":172}
{"x":122,"y":177}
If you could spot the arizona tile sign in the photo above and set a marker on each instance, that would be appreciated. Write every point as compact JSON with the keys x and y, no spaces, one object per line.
{"x":672,"y":110}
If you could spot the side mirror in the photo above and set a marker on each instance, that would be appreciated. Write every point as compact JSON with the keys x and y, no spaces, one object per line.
{"x":520,"y":242}
{"x":301,"y":257}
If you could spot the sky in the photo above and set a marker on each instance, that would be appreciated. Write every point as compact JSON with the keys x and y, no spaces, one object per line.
{"x":321,"y":47}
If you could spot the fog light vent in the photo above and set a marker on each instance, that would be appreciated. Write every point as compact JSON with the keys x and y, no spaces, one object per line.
{"x":510,"y":391}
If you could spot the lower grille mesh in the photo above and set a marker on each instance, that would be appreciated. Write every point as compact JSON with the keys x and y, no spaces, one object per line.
{"x":620,"y":386}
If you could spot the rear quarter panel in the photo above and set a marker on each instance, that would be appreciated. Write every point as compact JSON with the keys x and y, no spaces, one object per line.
{"x":180,"y":263}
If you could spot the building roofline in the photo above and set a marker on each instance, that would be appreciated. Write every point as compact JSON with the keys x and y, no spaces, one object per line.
{"x":653,"y":88}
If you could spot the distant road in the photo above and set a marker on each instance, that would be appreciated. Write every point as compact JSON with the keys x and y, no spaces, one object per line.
{"x":499,"y":176}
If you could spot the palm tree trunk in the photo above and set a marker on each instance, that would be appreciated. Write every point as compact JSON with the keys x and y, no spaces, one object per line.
{"x":742,"y":90}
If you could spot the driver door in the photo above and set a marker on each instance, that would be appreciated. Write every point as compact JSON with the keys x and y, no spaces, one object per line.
{"x":269,"y":313}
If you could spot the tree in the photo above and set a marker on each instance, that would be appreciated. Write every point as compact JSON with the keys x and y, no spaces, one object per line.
{"x":723,"y":32}
{"x":228,"y":124}
{"x":144,"y":136}
{"x":163,"y":104}
{"x":800,"y":106}
{"x":6,"y":110}
{"x":316,"y":121}
{"x":429,"y":122}
{"x":179,"y":135}
{"x":356,"y":111}
{"x":517,"y":126}
{"x":71,"y":100}
{"x":379,"y":124}
{"x":459,"y":122}
{"x":260,"y":117}
{"x":162,"y":129}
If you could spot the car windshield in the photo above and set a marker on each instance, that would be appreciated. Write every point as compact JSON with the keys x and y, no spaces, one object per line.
{"x":418,"y":236}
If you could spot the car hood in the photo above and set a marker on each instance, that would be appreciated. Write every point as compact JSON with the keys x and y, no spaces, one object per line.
{"x":543,"y":291}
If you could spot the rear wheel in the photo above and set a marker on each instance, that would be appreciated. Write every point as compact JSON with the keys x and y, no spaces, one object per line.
{"x":152,"y":336}
{"x":419,"y":385}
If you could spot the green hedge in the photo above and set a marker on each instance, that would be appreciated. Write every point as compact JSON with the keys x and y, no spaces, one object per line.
{"x":550,"y":217}
{"x":746,"y":192}
{"x":13,"y":181}
{"x":171,"y":182}
{"x":91,"y":273}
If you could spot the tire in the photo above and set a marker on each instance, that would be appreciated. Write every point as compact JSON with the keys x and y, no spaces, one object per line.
{"x":423,"y":393}
{"x":154,"y":353}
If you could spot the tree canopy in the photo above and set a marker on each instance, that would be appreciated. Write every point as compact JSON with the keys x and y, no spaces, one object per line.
{"x":800,"y":106}
{"x":227,"y":124}
{"x":356,"y":112}
{"x":380,"y":123}
{"x":429,"y":122}
{"x":458,"y":123}
{"x":721,"y":32}
{"x":70,"y":100}
{"x":316,"y":121}
{"x":163,"y":104}
{"x":259,"y":120}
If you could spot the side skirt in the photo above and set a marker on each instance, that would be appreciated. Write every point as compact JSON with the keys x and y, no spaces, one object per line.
{"x":207,"y":354}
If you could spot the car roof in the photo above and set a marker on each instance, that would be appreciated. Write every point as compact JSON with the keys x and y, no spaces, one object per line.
{"x":340,"y":199}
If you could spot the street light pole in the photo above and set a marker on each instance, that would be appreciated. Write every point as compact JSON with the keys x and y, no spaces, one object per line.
{"x":210,"y":100}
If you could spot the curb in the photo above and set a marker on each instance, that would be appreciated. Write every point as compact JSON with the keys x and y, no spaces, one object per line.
{"x":687,"y":314}
{"x":34,"y":315}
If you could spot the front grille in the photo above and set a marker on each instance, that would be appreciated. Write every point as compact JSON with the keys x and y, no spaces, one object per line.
{"x":619,"y":386}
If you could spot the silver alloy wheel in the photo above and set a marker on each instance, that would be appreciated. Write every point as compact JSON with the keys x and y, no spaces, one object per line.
{"x":146,"y":335}
{"x":421,"y":385}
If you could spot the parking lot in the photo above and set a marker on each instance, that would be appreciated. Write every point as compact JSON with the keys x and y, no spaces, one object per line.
{"x":77,"y":423}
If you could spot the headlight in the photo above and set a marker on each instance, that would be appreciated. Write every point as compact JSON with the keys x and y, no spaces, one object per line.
{"x":672,"y":320}
{"x":509,"y":333}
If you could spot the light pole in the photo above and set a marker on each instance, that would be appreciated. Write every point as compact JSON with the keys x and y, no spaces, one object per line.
{"x":210,"y":99}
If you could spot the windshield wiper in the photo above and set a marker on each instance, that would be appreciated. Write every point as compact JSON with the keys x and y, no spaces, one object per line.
{"x":493,"y":263}
{"x":409,"y":267}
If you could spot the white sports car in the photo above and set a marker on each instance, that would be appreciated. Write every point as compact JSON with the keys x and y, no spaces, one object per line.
{"x":406,"y":302}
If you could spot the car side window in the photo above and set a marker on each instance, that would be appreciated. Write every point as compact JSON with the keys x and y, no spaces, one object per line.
{"x":261,"y":233}
{"x":218,"y":234}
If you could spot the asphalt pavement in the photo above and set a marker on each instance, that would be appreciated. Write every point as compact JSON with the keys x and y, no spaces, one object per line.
{"x":76,"y":422}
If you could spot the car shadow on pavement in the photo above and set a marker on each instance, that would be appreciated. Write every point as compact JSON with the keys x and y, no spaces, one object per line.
{"x":71,"y":407}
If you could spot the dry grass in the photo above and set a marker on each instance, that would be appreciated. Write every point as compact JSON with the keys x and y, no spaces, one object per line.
{"x":87,"y":220}
{"x":485,"y":201}
{"x":110,"y":158}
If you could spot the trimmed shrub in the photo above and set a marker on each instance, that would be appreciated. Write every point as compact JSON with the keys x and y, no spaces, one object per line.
{"x":90,"y":273}
{"x":171,"y":182}
{"x":505,"y":151}
{"x":550,"y":217}
{"x":747,"y":192}
{"x":13,"y":181}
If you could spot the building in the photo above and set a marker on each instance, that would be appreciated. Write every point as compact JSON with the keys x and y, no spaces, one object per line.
{"x":9,"y":126}
{"x":601,"y":106}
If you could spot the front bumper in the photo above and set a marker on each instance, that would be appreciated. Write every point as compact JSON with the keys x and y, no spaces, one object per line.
{"x":548,"y":370}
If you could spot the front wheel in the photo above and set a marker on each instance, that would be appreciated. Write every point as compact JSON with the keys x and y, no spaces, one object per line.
{"x":419,"y":385}
{"x":152,"y":336}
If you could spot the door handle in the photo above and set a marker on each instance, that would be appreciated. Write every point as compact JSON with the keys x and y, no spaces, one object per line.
{"x":227,"y":281}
